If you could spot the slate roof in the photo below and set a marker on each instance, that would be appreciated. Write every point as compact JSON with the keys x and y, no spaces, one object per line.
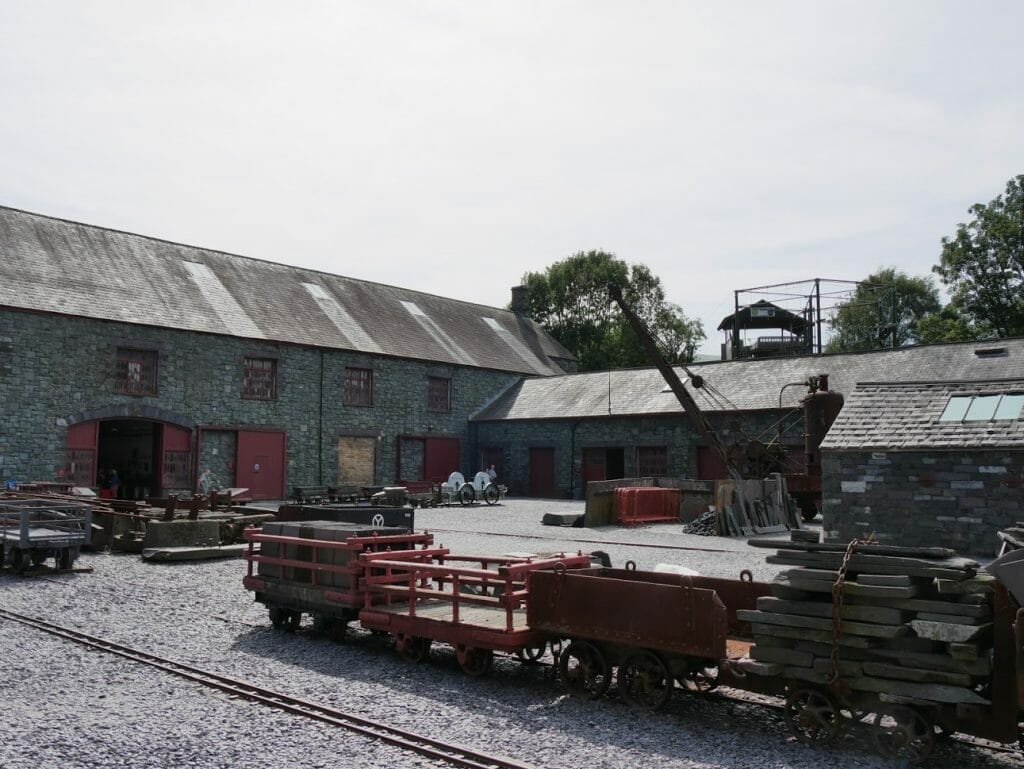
{"x":58,"y":266}
{"x":905,"y":416}
{"x":745,"y":385}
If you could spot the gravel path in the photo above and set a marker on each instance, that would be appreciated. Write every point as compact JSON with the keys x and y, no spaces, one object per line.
{"x":68,"y":707}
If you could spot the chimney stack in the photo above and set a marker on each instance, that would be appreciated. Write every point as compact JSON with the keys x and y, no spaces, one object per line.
{"x":521,"y":300}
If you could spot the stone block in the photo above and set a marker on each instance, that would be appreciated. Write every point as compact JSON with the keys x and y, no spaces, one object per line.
{"x":183,"y":533}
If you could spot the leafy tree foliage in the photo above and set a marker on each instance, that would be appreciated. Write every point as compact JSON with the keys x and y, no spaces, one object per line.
{"x":570,"y":299}
{"x":884,"y":311}
{"x":947,"y":325}
{"x":983,"y":264}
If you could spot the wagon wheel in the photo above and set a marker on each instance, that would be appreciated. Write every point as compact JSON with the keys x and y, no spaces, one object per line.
{"x":285,"y":619}
{"x":813,"y":716}
{"x":65,"y":558}
{"x":473,"y":661}
{"x":644,"y":681}
{"x":905,"y":734}
{"x":412,"y":648}
{"x":20,"y":560}
{"x":583,"y":670}
{"x":532,"y":653}
{"x":702,"y":678}
{"x":467,"y":494}
{"x":491,"y":494}
{"x":38,"y":556}
{"x":323,"y":624}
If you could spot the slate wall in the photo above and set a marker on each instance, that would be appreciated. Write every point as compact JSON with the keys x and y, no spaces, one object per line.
{"x":570,"y":437}
{"x":936,"y":499}
{"x":57,"y":370}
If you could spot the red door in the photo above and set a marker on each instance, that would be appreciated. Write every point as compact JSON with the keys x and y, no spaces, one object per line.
{"x":82,"y":440}
{"x":542,"y":472}
{"x":441,"y":459}
{"x":710,"y":466}
{"x":594,"y":466}
{"x":260,"y":465}
{"x":175,"y":459}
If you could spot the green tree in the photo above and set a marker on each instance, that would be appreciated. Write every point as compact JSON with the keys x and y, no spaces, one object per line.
{"x":983,"y":264}
{"x":884,"y":311}
{"x":947,"y":325}
{"x":570,"y":299}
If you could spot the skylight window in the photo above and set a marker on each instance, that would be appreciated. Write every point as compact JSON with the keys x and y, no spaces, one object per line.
{"x":983,"y":408}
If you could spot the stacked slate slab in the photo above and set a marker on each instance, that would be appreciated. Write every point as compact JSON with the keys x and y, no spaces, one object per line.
{"x":916,"y":622}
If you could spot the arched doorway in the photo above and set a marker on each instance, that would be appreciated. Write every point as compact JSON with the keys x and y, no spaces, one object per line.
{"x":151,"y":457}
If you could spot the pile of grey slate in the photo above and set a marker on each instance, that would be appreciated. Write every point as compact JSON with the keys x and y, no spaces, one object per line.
{"x":916,"y":622}
{"x":704,"y":525}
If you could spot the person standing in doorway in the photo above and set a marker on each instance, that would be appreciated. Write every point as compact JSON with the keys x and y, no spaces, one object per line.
{"x":113,"y":483}
{"x":492,"y":475}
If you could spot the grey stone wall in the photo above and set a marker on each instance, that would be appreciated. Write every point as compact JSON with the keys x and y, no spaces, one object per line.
{"x":570,"y":437}
{"x":55,"y":371}
{"x":937,"y":499}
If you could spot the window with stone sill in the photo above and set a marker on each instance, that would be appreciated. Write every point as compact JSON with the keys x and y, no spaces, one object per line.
{"x":358,"y":389}
{"x":652,"y":461}
{"x":259,"y":379}
{"x":439,"y":394}
{"x":135,"y":371}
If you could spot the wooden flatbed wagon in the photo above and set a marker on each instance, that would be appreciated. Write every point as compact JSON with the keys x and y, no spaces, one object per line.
{"x":476,"y":604}
{"x":32,"y":530}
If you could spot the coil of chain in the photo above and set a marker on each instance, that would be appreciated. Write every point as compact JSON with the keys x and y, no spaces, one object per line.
{"x":837,"y":606}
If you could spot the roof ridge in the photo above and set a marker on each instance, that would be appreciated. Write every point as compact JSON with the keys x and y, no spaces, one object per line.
{"x":234,"y":255}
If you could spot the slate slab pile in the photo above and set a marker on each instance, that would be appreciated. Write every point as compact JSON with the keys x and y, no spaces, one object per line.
{"x":915,"y":623}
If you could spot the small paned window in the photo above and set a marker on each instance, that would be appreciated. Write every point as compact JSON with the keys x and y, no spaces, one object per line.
{"x":983,"y":408}
{"x":439,"y":394}
{"x":135,"y":371}
{"x":259,"y":379}
{"x":358,"y":390}
{"x":652,"y":461}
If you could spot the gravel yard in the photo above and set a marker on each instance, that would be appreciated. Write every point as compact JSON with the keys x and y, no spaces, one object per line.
{"x":68,"y":707}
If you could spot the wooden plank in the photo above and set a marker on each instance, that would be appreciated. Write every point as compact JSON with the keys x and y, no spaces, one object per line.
{"x":823,"y":665}
{"x":824,"y":609}
{"x":976,"y":667}
{"x":816,"y":623}
{"x":759,"y":668}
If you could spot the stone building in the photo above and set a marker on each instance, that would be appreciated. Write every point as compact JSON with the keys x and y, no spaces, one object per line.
{"x":927,"y":463}
{"x":158,"y":360}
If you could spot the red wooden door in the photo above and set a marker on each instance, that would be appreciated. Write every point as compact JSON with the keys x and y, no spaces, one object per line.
{"x":260,"y":465}
{"x":710,"y":466}
{"x":175,"y":459}
{"x":542,"y":472}
{"x":594,"y":466}
{"x":441,"y":459}
{"x":82,"y":439}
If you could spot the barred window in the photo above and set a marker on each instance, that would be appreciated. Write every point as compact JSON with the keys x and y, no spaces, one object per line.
{"x":439,"y":394}
{"x":135,"y":372}
{"x":358,"y":389}
{"x":259,"y":379}
{"x":652,"y":461}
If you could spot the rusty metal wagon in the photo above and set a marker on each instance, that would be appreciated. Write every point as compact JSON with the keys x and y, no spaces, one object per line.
{"x":655,"y":628}
{"x":32,"y":530}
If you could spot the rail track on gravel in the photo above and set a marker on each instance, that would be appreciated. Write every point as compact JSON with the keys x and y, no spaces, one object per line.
{"x":451,"y":754}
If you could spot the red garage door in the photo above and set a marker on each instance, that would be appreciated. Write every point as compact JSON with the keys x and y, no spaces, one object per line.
{"x":542,"y":472}
{"x":442,"y":459}
{"x":261,"y":463}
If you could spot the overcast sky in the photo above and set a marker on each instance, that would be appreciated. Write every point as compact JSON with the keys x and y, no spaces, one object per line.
{"x":451,"y":147}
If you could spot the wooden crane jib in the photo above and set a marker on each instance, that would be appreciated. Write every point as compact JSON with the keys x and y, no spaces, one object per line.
{"x":690,"y":407}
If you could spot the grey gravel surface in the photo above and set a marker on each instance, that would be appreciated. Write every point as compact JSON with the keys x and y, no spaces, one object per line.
{"x":68,"y":707}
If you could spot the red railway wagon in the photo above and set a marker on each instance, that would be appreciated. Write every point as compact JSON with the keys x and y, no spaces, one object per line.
{"x":312,"y":567}
{"x":476,"y":604}
{"x":656,"y":628}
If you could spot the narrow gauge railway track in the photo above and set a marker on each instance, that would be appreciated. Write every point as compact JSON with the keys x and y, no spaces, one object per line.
{"x":454,"y":755}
